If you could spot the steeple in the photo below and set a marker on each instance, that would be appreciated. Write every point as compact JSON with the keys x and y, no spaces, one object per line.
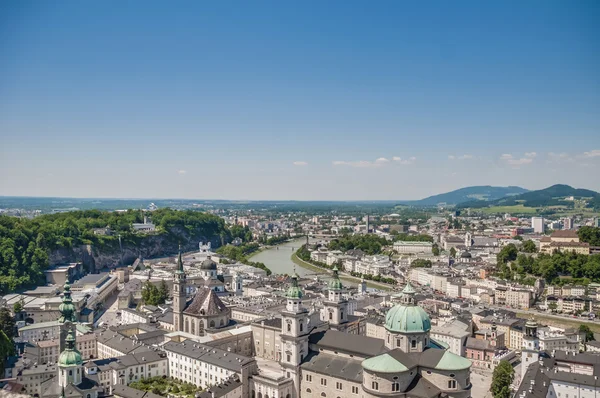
{"x":70,"y":363}
{"x":179,"y":262}
{"x":336,"y":307}
{"x":67,"y":309}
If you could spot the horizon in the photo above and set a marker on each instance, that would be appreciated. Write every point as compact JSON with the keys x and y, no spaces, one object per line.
{"x":334,"y":101}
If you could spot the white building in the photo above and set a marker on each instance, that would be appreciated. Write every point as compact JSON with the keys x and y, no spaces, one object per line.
{"x":454,"y":334}
{"x":537,"y":223}
{"x":403,"y":247}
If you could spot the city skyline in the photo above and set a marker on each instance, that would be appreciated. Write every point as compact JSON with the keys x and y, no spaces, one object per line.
{"x":309,"y":102}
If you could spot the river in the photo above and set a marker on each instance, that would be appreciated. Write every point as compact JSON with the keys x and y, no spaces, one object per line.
{"x":279,"y":258}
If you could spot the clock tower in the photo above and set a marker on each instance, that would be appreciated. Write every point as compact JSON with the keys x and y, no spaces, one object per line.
{"x":294,"y":334}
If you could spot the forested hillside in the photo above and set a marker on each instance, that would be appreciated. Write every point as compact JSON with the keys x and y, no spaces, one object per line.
{"x":27,"y":244}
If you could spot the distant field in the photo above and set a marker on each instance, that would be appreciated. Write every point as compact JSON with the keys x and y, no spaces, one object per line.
{"x":509,"y":209}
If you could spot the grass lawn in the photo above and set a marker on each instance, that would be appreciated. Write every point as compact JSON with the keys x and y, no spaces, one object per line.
{"x":166,"y":386}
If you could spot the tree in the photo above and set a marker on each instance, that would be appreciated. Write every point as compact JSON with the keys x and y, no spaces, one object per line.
{"x":502,"y":379}
{"x":553,"y":306}
{"x":453,"y":252}
{"x":590,"y":235}
{"x":508,"y":253}
{"x":163,"y":291}
{"x":7,"y":322}
{"x":435,"y":249}
{"x":589,"y":335}
{"x":152,"y":295}
{"x":529,"y":246}
{"x":18,"y":307}
{"x":421,"y":263}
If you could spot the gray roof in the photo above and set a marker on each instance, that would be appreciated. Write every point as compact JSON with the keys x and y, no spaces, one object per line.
{"x":350,"y":343}
{"x":222,"y":389}
{"x":206,"y":302}
{"x":212,"y":355}
{"x":336,"y":366}
{"x":120,"y":390}
{"x":120,"y":343}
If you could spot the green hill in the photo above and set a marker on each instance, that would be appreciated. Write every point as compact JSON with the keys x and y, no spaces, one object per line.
{"x":556,"y":195}
{"x":483,"y":193}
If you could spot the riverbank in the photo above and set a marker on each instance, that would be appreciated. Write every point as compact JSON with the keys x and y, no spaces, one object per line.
{"x":343,"y":276}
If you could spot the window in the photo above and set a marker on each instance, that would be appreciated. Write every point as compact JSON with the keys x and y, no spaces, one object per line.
{"x":309,"y":378}
{"x":212,"y":324}
{"x":289,"y":358}
{"x":388,"y":339}
{"x":354,"y":390}
{"x":413,"y":343}
{"x":308,"y":390}
{"x":289,"y":327}
{"x":301,"y":326}
{"x":451,"y":384}
{"x":323,"y":381}
{"x":398,"y":343}
{"x":375,"y":385}
{"x":395,"y":386}
{"x":330,"y":316}
{"x":323,"y":394}
{"x":338,"y":386}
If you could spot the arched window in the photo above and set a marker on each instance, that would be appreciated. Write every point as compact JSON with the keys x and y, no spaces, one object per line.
{"x":375,"y":385}
{"x":260,"y":395}
{"x":253,"y":394}
{"x":70,"y":373}
{"x":395,"y":387}
{"x":187,"y":325}
{"x":451,"y":384}
{"x":308,"y":390}
{"x":212,"y":324}
{"x":288,"y":396}
{"x":221,"y":323}
{"x":289,"y":327}
{"x":89,"y":396}
{"x":323,"y":394}
{"x":301,"y":326}
{"x":330,"y":316}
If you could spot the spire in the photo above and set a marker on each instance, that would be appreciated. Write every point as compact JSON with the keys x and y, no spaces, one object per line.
{"x":408,"y":294}
{"x":179,"y":262}
{"x":67,"y":309}
{"x":336,"y":283}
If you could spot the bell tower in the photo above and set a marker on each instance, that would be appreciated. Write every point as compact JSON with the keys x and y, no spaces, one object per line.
{"x":336,"y":306}
{"x":68,"y":316}
{"x":179,"y":294}
{"x":530,"y":352}
{"x":294,"y":334}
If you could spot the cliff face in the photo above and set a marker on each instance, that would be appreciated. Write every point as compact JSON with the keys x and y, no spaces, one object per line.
{"x":149,"y":246}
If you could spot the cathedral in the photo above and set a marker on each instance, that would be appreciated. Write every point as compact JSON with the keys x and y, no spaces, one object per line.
{"x":324,"y":362}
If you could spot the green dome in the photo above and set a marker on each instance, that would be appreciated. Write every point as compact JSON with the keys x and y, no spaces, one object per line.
{"x":294,"y":291}
{"x":70,"y":356}
{"x":407,"y":317}
{"x":335,"y":283}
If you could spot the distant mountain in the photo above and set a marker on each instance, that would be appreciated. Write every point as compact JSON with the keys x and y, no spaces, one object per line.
{"x":482,"y":194}
{"x":555,"y":195}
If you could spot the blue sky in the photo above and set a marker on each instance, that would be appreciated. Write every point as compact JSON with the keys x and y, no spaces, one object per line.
{"x":297,"y":100}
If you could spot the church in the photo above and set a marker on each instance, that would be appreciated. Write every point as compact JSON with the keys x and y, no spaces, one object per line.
{"x":325,"y":362}
{"x":205,"y":310}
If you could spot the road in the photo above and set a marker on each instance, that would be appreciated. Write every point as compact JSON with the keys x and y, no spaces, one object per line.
{"x":109,"y":317}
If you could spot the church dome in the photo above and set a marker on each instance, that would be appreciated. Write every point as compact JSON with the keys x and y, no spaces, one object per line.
{"x":70,"y":356}
{"x":294,"y":290}
{"x":466,"y":254}
{"x":335,"y":283}
{"x":407,"y":317}
{"x":208,"y":265}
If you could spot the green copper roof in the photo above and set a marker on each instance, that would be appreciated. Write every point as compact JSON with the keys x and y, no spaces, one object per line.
{"x":70,"y":356}
{"x":294,"y":291}
{"x":384,"y":363}
{"x":407,"y":319}
{"x":451,"y":361}
{"x":408,"y":289}
{"x":68,"y":312}
{"x":335,"y":283}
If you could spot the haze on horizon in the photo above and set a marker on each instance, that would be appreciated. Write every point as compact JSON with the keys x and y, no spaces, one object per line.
{"x":311,"y":101}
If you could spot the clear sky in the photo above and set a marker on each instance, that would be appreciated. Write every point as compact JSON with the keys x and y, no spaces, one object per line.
{"x":297,"y":99}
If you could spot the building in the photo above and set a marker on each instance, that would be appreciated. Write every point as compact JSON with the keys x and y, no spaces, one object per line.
{"x":454,"y":334}
{"x":566,"y":240}
{"x":205,"y":310}
{"x":537,"y":223}
{"x":409,"y":247}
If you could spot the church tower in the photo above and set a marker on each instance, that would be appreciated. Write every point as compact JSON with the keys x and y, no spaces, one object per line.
{"x":70,"y":363}
{"x":531,"y":346}
{"x":294,"y":334}
{"x":179,"y":294}
{"x":336,"y":307}
{"x":68,"y":316}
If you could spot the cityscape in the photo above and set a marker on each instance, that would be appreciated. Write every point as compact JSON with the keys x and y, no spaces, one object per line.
{"x":298,"y":200}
